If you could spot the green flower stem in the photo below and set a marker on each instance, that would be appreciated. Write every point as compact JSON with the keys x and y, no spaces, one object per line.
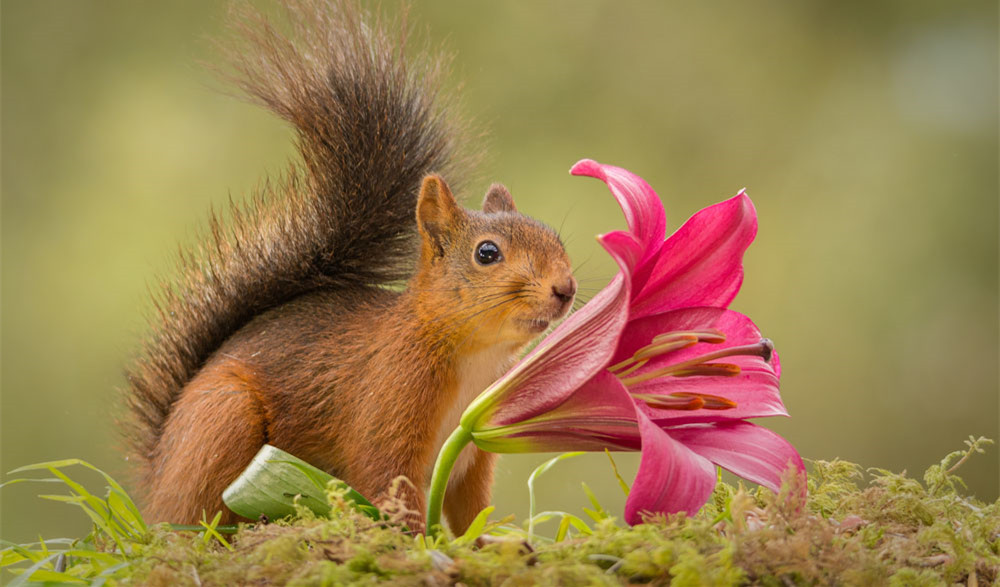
{"x":442,"y":471}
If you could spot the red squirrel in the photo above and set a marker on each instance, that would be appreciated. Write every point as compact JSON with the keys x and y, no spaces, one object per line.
{"x":283,"y":327}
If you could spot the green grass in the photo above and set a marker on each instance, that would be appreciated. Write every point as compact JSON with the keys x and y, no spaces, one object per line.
{"x":855,"y":527}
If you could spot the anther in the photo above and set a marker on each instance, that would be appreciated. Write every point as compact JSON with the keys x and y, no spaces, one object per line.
{"x":686,"y":401}
{"x":655,"y":350}
{"x":671,"y":402}
{"x":710,"y":336}
{"x":708,"y":369}
{"x":713,"y":402}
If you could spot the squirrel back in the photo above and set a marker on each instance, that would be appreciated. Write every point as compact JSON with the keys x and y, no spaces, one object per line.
{"x":368,"y":129}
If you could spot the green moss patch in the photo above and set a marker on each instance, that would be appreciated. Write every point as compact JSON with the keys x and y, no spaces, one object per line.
{"x":856,"y":527}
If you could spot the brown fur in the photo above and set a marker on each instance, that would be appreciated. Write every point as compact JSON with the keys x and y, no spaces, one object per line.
{"x":279,"y":330}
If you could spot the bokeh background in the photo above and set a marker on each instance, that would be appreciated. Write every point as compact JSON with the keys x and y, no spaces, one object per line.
{"x":865,"y":132}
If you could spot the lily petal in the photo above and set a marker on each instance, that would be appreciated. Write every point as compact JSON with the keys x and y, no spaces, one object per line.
{"x":626,"y":248}
{"x":642,"y":207}
{"x":598,"y":415}
{"x":748,"y":450}
{"x":671,"y":477}
{"x":702,"y":263}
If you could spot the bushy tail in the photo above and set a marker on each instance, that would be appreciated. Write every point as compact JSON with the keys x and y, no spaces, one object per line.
{"x":368,"y":127}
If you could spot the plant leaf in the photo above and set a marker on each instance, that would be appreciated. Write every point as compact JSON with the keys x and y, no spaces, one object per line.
{"x":575,"y":521}
{"x":269,"y":485}
{"x":476,"y":528}
{"x":563,"y":529}
{"x":24,"y":577}
{"x":598,"y":510}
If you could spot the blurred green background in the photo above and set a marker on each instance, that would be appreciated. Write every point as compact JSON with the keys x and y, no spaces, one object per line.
{"x":866,"y":134}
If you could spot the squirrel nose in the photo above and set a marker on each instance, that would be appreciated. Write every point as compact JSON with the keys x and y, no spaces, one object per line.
{"x":565,"y":291}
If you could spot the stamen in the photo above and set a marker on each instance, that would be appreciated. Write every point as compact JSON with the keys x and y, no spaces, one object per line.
{"x":621,"y":365}
{"x":686,"y":401}
{"x":654,"y":350}
{"x":710,"y":336}
{"x":651,"y":350}
{"x":713,"y":402}
{"x":764,"y":349}
{"x":631,"y":369}
{"x":667,"y":343}
{"x":671,"y":402}
{"x":709,"y":369}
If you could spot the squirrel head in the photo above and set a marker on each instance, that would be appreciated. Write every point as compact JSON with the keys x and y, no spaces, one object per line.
{"x":488,"y":277}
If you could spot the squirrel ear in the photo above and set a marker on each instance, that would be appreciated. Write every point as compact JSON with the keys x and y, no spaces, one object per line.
{"x":498,"y":199}
{"x":437,"y":213}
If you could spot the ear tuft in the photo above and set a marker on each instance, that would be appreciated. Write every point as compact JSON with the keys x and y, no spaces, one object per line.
{"x":437,"y":213}
{"x":498,"y":199}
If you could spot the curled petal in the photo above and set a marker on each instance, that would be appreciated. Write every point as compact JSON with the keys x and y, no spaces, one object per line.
{"x":671,"y":477}
{"x":748,"y":450}
{"x":642,"y":207}
{"x":702,"y":263}
{"x":624,"y":246}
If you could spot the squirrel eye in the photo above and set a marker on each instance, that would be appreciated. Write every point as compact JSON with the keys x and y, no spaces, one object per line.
{"x":487,"y":252}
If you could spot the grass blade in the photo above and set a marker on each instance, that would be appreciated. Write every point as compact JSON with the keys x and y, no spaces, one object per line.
{"x":476,"y":528}
{"x":621,"y":482}
{"x":563,"y":530}
{"x":539,"y":471}
{"x":598,"y":512}
{"x":211,"y":532}
{"x":24,"y":577}
{"x":575,"y":521}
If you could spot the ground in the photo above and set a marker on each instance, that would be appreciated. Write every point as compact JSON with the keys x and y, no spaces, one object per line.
{"x":855,"y":527}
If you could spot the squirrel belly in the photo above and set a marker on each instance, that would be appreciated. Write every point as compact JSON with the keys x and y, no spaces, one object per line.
{"x":281,"y":326}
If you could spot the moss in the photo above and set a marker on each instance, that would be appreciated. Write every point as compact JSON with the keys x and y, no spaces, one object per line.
{"x":890,"y":530}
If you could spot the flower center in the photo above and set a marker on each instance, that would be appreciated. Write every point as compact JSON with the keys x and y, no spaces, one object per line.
{"x":699,"y":366}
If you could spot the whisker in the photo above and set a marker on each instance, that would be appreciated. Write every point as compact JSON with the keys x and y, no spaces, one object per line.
{"x":461,"y":287}
{"x":503,"y":323}
{"x":563,"y":223}
{"x":458,"y":324}
{"x":577,"y":268}
{"x":449,"y":315}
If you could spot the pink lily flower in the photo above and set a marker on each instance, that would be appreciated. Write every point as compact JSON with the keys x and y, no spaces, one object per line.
{"x":655,"y":362}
